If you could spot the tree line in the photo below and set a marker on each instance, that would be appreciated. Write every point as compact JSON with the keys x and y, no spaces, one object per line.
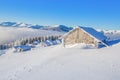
{"x":28,"y":40}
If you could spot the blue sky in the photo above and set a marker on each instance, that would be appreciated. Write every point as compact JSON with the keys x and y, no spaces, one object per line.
{"x":103,"y":14}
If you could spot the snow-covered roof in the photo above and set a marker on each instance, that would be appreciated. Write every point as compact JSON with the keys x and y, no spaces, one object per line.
{"x":98,"y":35}
{"x":24,"y":47}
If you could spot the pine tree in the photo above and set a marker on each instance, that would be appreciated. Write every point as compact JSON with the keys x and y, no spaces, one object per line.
{"x":46,"y":37}
{"x":0,"y":47}
{"x":40,"y":38}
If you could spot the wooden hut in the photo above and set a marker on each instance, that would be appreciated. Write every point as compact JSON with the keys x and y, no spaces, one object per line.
{"x":85,"y":35}
{"x":22,"y":48}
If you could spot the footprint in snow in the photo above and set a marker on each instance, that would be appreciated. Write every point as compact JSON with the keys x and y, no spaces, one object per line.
{"x":27,"y":68}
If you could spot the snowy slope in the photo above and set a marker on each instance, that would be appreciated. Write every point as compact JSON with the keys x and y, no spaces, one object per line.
{"x":58,"y":63}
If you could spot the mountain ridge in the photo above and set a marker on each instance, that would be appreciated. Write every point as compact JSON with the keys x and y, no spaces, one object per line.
{"x":61,"y":28}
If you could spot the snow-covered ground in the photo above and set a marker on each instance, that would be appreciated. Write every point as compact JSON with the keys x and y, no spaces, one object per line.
{"x":58,"y":63}
{"x":9,"y":34}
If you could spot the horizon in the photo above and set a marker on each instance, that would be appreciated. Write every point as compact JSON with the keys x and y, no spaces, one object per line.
{"x":102,"y":14}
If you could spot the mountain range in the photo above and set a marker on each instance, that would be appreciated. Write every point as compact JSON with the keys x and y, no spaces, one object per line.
{"x":61,"y":28}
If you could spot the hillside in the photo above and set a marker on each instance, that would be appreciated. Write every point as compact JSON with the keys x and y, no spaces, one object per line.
{"x":57,"y":63}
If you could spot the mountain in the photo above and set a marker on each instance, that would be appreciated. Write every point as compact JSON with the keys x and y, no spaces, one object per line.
{"x":36,"y":26}
{"x":13,"y":24}
{"x":22,"y":25}
{"x":63,"y":28}
{"x":8,"y":24}
{"x":60,"y":28}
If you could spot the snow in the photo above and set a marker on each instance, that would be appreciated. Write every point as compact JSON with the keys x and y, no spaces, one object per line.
{"x":58,"y":63}
{"x":22,"y":48}
{"x":113,"y":35}
{"x":2,"y":52}
{"x":81,"y":46}
{"x":75,"y":62}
